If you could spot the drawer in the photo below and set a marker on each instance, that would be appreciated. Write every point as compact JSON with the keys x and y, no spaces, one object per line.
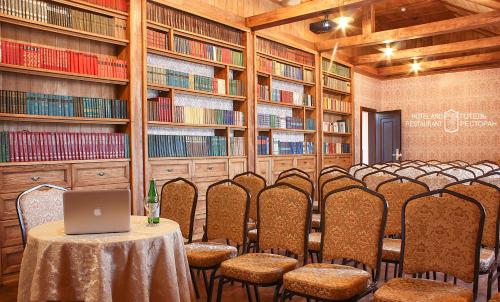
{"x":84,"y":175}
{"x":10,"y":233}
{"x":11,"y":259}
{"x":8,"y":206}
{"x":282,"y":164}
{"x":204,"y":168}
{"x":20,"y":178}
{"x":342,"y":161}
{"x":306,"y":163}
{"x":165,"y":170}
{"x":103,"y":187}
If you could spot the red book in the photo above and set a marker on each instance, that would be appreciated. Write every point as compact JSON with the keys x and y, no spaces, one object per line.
{"x":13,"y":146}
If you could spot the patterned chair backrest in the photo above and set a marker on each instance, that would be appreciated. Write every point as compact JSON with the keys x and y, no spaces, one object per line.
{"x":178,"y":203}
{"x":298,"y":181}
{"x":410,"y":164}
{"x":433,"y":162}
{"x":284,"y":218}
{"x":483,"y":167}
{"x":356,"y":167}
{"x":489,"y":196}
{"x":39,"y":205}
{"x":436,"y":180}
{"x":460,"y":163}
{"x":390,"y":168}
{"x":410,"y":171}
{"x":327,"y":175}
{"x":460,"y":173}
{"x":492,"y":178}
{"x":363,"y":171}
{"x":254,"y":183}
{"x":477,"y":171}
{"x":440,"y":231}
{"x":396,"y":192}
{"x":293,"y":171}
{"x":493,"y":165}
{"x":379,"y":166}
{"x":348,"y":213}
{"x":333,"y":167}
{"x":429,"y":168}
{"x":372,"y":180}
{"x":444,"y":165}
{"x":339,"y":182}
{"x":228,"y":205}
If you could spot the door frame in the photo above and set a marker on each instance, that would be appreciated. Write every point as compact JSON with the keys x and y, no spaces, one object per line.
{"x":372,"y":153}
{"x":400,"y":130}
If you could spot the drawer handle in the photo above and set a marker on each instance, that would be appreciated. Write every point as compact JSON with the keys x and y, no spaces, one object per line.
{"x":210,"y":168}
{"x":170,"y":170}
{"x":35,"y":178}
{"x":101,"y":173}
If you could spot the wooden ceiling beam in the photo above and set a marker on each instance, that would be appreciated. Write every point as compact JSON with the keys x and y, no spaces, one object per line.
{"x":477,"y":59}
{"x":413,"y":32}
{"x":368,"y":23}
{"x":441,"y":49}
{"x":303,"y":11}
{"x":488,"y":3}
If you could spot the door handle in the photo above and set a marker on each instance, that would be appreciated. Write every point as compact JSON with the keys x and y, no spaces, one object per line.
{"x":397,"y":155}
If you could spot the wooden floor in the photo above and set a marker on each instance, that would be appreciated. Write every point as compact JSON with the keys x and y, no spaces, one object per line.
{"x":236,"y":293}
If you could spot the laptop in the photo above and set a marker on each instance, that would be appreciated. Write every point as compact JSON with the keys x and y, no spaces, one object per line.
{"x":93,"y":212}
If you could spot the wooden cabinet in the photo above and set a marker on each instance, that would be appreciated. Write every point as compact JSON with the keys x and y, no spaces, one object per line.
{"x":237,"y":166}
{"x":344,"y":161}
{"x":11,"y":259}
{"x":264,"y":169}
{"x":8,"y":206}
{"x":84,"y":175}
{"x":20,"y":178}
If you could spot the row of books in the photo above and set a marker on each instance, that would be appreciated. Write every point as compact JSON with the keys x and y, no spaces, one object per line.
{"x":20,"y":102}
{"x":236,"y":87}
{"x":308,"y":76}
{"x":285,"y":52}
{"x":263,"y":146}
{"x":160,"y":109}
{"x":60,"y":15}
{"x":185,"y":21}
{"x":340,"y":126}
{"x":284,"y":148}
{"x":28,"y":55}
{"x":278,"y":68}
{"x":336,"y":68}
{"x":208,"y":51}
{"x":52,"y":146}
{"x":336,"y":148}
{"x":275,"y":121}
{"x":167,"y":77}
{"x":310,"y":124}
{"x":120,"y":5}
{"x":263,"y":92}
{"x":290,"y":97}
{"x":193,"y":115}
{"x":156,"y":39}
{"x":336,"y":84}
{"x":186,"y":146}
{"x":237,"y":146}
{"x":334,"y":102}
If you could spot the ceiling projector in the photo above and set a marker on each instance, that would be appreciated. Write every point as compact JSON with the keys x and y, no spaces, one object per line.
{"x":322,"y":26}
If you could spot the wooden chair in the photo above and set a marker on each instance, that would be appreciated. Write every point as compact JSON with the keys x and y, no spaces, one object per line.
{"x":293,"y":171}
{"x":178,"y":203}
{"x":284,"y":221}
{"x":489,"y":197}
{"x":436,"y":180}
{"x":298,"y":181}
{"x":227,"y":207}
{"x":460,"y":173}
{"x":348,"y":212}
{"x":373,"y":179}
{"x":442,"y":232}
{"x":39,"y":205}
{"x":410,"y":171}
{"x":396,"y":192}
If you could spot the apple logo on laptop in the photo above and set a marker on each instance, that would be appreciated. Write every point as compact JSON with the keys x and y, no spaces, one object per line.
{"x":97,"y":212}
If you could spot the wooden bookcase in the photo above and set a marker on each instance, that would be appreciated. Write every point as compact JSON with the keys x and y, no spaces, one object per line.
{"x":332,"y":113}
{"x":201,"y":170}
{"x":272,"y":164}
{"x":16,"y":177}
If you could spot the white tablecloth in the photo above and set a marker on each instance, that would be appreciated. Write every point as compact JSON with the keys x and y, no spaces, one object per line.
{"x":145,"y":264}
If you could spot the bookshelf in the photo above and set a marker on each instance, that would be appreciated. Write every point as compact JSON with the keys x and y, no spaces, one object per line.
{"x":66,"y":105}
{"x":286,"y":107}
{"x":336,"y":118}
{"x":196,"y":112}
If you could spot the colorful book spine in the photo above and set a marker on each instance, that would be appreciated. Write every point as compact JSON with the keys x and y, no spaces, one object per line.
{"x":263,"y":92}
{"x":285,"y":148}
{"x":336,"y":68}
{"x":120,"y":5}
{"x":310,"y":124}
{"x":335,"y":103}
{"x":237,"y":145}
{"x":340,"y":126}
{"x":186,"y":146}
{"x":336,"y":84}
{"x":194,"y":115}
{"x":277,"y":122}
{"x":290,"y":97}
{"x":157,"y":39}
{"x":286,"y":52}
{"x":160,"y":109}
{"x":208,"y":51}
{"x":336,"y":148}
{"x":263,"y":146}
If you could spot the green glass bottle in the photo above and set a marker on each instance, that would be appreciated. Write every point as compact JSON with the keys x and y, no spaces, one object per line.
{"x":153,"y":201}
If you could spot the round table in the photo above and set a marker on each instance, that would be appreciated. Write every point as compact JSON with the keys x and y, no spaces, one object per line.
{"x":145,"y":264}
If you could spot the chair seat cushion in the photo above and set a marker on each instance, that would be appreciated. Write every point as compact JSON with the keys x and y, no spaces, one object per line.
{"x":316,"y":221}
{"x":486,"y":259}
{"x":206,"y":255}
{"x":327,"y":281}
{"x":391,"y":249}
{"x":315,"y":242}
{"x":252,"y":235}
{"x":421,"y":290}
{"x":258,"y":268}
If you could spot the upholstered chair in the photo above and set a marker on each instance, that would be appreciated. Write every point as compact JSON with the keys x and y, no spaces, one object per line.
{"x":39,"y":205}
{"x":442,"y":232}
{"x":284,"y":213}
{"x":379,"y":166}
{"x":396,"y":192}
{"x":227,"y":207}
{"x":359,"y":174}
{"x":348,"y":212}
{"x":298,"y":181}
{"x":178,"y":203}
{"x":484,"y":167}
{"x":436,"y":180}
{"x":333,"y":167}
{"x":434,"y":162}
{"x":373,"y":179}
{"x":429,"y":168}
{"x":412,"y":163}
{"x":489,"y":197}
{"x":356,"y":167}
{"x":490,"y":163}
{"x":293,"y":171}
{"x":459,"y":163}
{"x":410,"y":171}
{"x":444,"y":165}
{"x":419,"y":162}
{"x":329,"y":174}
{"x":477,"y":169}
{"x":390,"y":168}
{"x":460,"y":173}
{"x":492,"y":177}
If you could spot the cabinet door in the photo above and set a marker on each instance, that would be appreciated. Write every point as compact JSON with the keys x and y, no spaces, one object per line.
{"x":11,"y":259}
{"x":8,"y":206}
{"x":237,"y":166}
{"x":264,"y":169}
{"x":10,"y":233}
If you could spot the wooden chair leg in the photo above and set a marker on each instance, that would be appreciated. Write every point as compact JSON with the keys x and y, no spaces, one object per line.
{"x":195,"y":285}
{"x":276,"y":293}
{"x":256,"y":291}
{"x":211,"y":286}
{"x":249,"y":294}
{"x":386,"y":270}
{"x":219,"y":290}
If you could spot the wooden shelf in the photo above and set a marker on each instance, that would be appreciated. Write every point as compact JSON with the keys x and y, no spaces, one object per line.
{"x":61,"y":74}
{"x":61,"y":30}
{"x":176,"y":55}
{"x":194,"y":157}
{"x":61,"y":119}
{"x":286,"y":130}
{"x":336,"y":91}
{"x":336,"y":112}
{"x":333,"y":75}
{"x":58,"y":162}
{"x":196,"y":92}
{"x":337,"y":155}
{"x":287,"y":155}
{"x":186,"y":125}
{"x":93,"y":8}
{"x":272,"y":103}
{"x":285,"y":79}
{"x":285,"y":61}
{"x":336,"y":133}
{"x":180,"y":32}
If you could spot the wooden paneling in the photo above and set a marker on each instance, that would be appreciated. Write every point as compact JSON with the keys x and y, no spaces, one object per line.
{"x":10,"y":233}
{"x":11,"y":259}
{"x":8,"y":206}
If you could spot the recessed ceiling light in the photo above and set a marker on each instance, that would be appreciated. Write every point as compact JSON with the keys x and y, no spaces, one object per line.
{"x":403,"y":9}
{"x":343,"y":21}
{"x":388,"y":51}
{"x":415,"y":67}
